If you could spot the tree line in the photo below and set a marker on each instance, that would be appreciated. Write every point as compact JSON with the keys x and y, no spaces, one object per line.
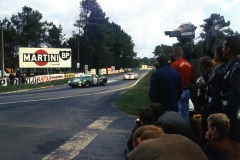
{"x":97,"y":42}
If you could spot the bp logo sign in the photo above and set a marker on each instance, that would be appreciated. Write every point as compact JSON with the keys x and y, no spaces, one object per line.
{"x":44,"y":57}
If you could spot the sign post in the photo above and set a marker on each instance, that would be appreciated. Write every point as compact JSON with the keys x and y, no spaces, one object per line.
{"x":2,"y":56}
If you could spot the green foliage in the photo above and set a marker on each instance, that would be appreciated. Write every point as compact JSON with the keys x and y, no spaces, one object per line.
{"x":55,"y":37}
{"x":218,"y":21}
{"x":26,"y":29}
{"x":158,"y":51}
{"x":200,"y":47}
{"x":222,"y":32}
{"x":163,"y":49}
{"x":135,"y":98}
{"x":103,"y":44}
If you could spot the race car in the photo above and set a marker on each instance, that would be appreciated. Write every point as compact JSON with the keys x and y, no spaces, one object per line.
{"x":130,"y":76}
{"x":87,"y":80}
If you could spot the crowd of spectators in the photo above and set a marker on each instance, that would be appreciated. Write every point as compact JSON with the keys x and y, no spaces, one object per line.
{"x":163,"y":130}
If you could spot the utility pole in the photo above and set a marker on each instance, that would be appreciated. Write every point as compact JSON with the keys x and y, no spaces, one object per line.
{"x":78,"y":63}
{"x":2,"y":56}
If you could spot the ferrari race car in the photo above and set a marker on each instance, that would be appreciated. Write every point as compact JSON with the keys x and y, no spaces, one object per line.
{"x":87,"y":80}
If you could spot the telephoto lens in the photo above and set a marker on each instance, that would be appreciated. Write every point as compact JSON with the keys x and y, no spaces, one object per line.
{"x":137,"y":122}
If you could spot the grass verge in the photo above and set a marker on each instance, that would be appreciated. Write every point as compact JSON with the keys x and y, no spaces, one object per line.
{"x":19,"y":87}
{"x":130,"y":102}
{"x":136,"y":97}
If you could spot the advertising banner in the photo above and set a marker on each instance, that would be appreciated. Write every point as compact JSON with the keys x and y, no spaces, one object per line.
{"x":45,"y":57}
{"x":50,"y":77}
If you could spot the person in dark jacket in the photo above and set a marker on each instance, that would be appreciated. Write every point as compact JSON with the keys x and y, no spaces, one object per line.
{"x":194,"y":54}
{"x":146,"y":117}
{"x":214,"y":83}
{"x":171,"y":122}
{"x":11,"y":78}
{"x":230,"y":92}
{"x":208,"y":69}
{"x":211,"y":39}
{"x":165,"y":85}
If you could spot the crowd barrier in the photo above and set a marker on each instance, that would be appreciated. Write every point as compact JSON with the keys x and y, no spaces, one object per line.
{"x":3,"y":82}
{"x":45,"y":78}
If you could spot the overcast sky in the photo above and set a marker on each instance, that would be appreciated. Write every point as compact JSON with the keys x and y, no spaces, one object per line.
{"x":144,"y":20}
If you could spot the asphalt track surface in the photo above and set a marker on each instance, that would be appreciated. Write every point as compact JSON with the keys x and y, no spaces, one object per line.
{"x":65,"y":123}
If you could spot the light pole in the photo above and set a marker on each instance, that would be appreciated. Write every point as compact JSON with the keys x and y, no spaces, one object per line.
{"x":78,"y":63}
{"x":2,"y":56}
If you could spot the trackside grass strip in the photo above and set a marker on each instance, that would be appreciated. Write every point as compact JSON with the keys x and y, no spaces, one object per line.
{"x":136,"y":98}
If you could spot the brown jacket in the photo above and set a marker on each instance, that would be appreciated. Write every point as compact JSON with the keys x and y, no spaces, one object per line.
{"x":223,"y":149}
{"x":167,"y":147}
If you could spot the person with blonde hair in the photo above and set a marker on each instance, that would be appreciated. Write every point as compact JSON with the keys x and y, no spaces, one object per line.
{"x":220,"y":146}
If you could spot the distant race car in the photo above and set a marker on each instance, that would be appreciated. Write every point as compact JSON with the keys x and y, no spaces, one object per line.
{"x":87,"y":80}
{"x":130,"y":76}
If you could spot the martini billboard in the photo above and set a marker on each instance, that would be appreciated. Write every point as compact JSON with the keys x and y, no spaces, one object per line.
{"x":45,"y":57}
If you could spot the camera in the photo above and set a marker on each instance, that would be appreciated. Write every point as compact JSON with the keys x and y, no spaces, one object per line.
{"x":137,"y":122}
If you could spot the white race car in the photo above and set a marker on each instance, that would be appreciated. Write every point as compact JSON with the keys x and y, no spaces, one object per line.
{"x":130,"y":76}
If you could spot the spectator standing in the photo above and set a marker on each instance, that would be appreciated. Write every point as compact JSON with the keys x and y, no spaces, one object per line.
{"x":214,"y":83}
{"x":19,"y":76}
{"x":230,"y":92}
{"x":211,"y":39}
{"x":187,"y":75}
{"x":194,"y":54}
{"x":186,"y":51}
{"x":208,"y":69}
{"x":18,"y":73}
{"x":150,"y":143}
{"x":165,"y":85}
{"x":11,"y":78}
{"x":220,"y":146}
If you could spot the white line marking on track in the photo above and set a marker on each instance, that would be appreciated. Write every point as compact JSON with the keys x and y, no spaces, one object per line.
{"x":112,"y":81}
{"x":74,"y":145}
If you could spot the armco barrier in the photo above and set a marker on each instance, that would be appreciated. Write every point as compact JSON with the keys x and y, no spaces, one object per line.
{"x":15,"y":82}
{"x":3,"y":82}
{"x":31,"y":80}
